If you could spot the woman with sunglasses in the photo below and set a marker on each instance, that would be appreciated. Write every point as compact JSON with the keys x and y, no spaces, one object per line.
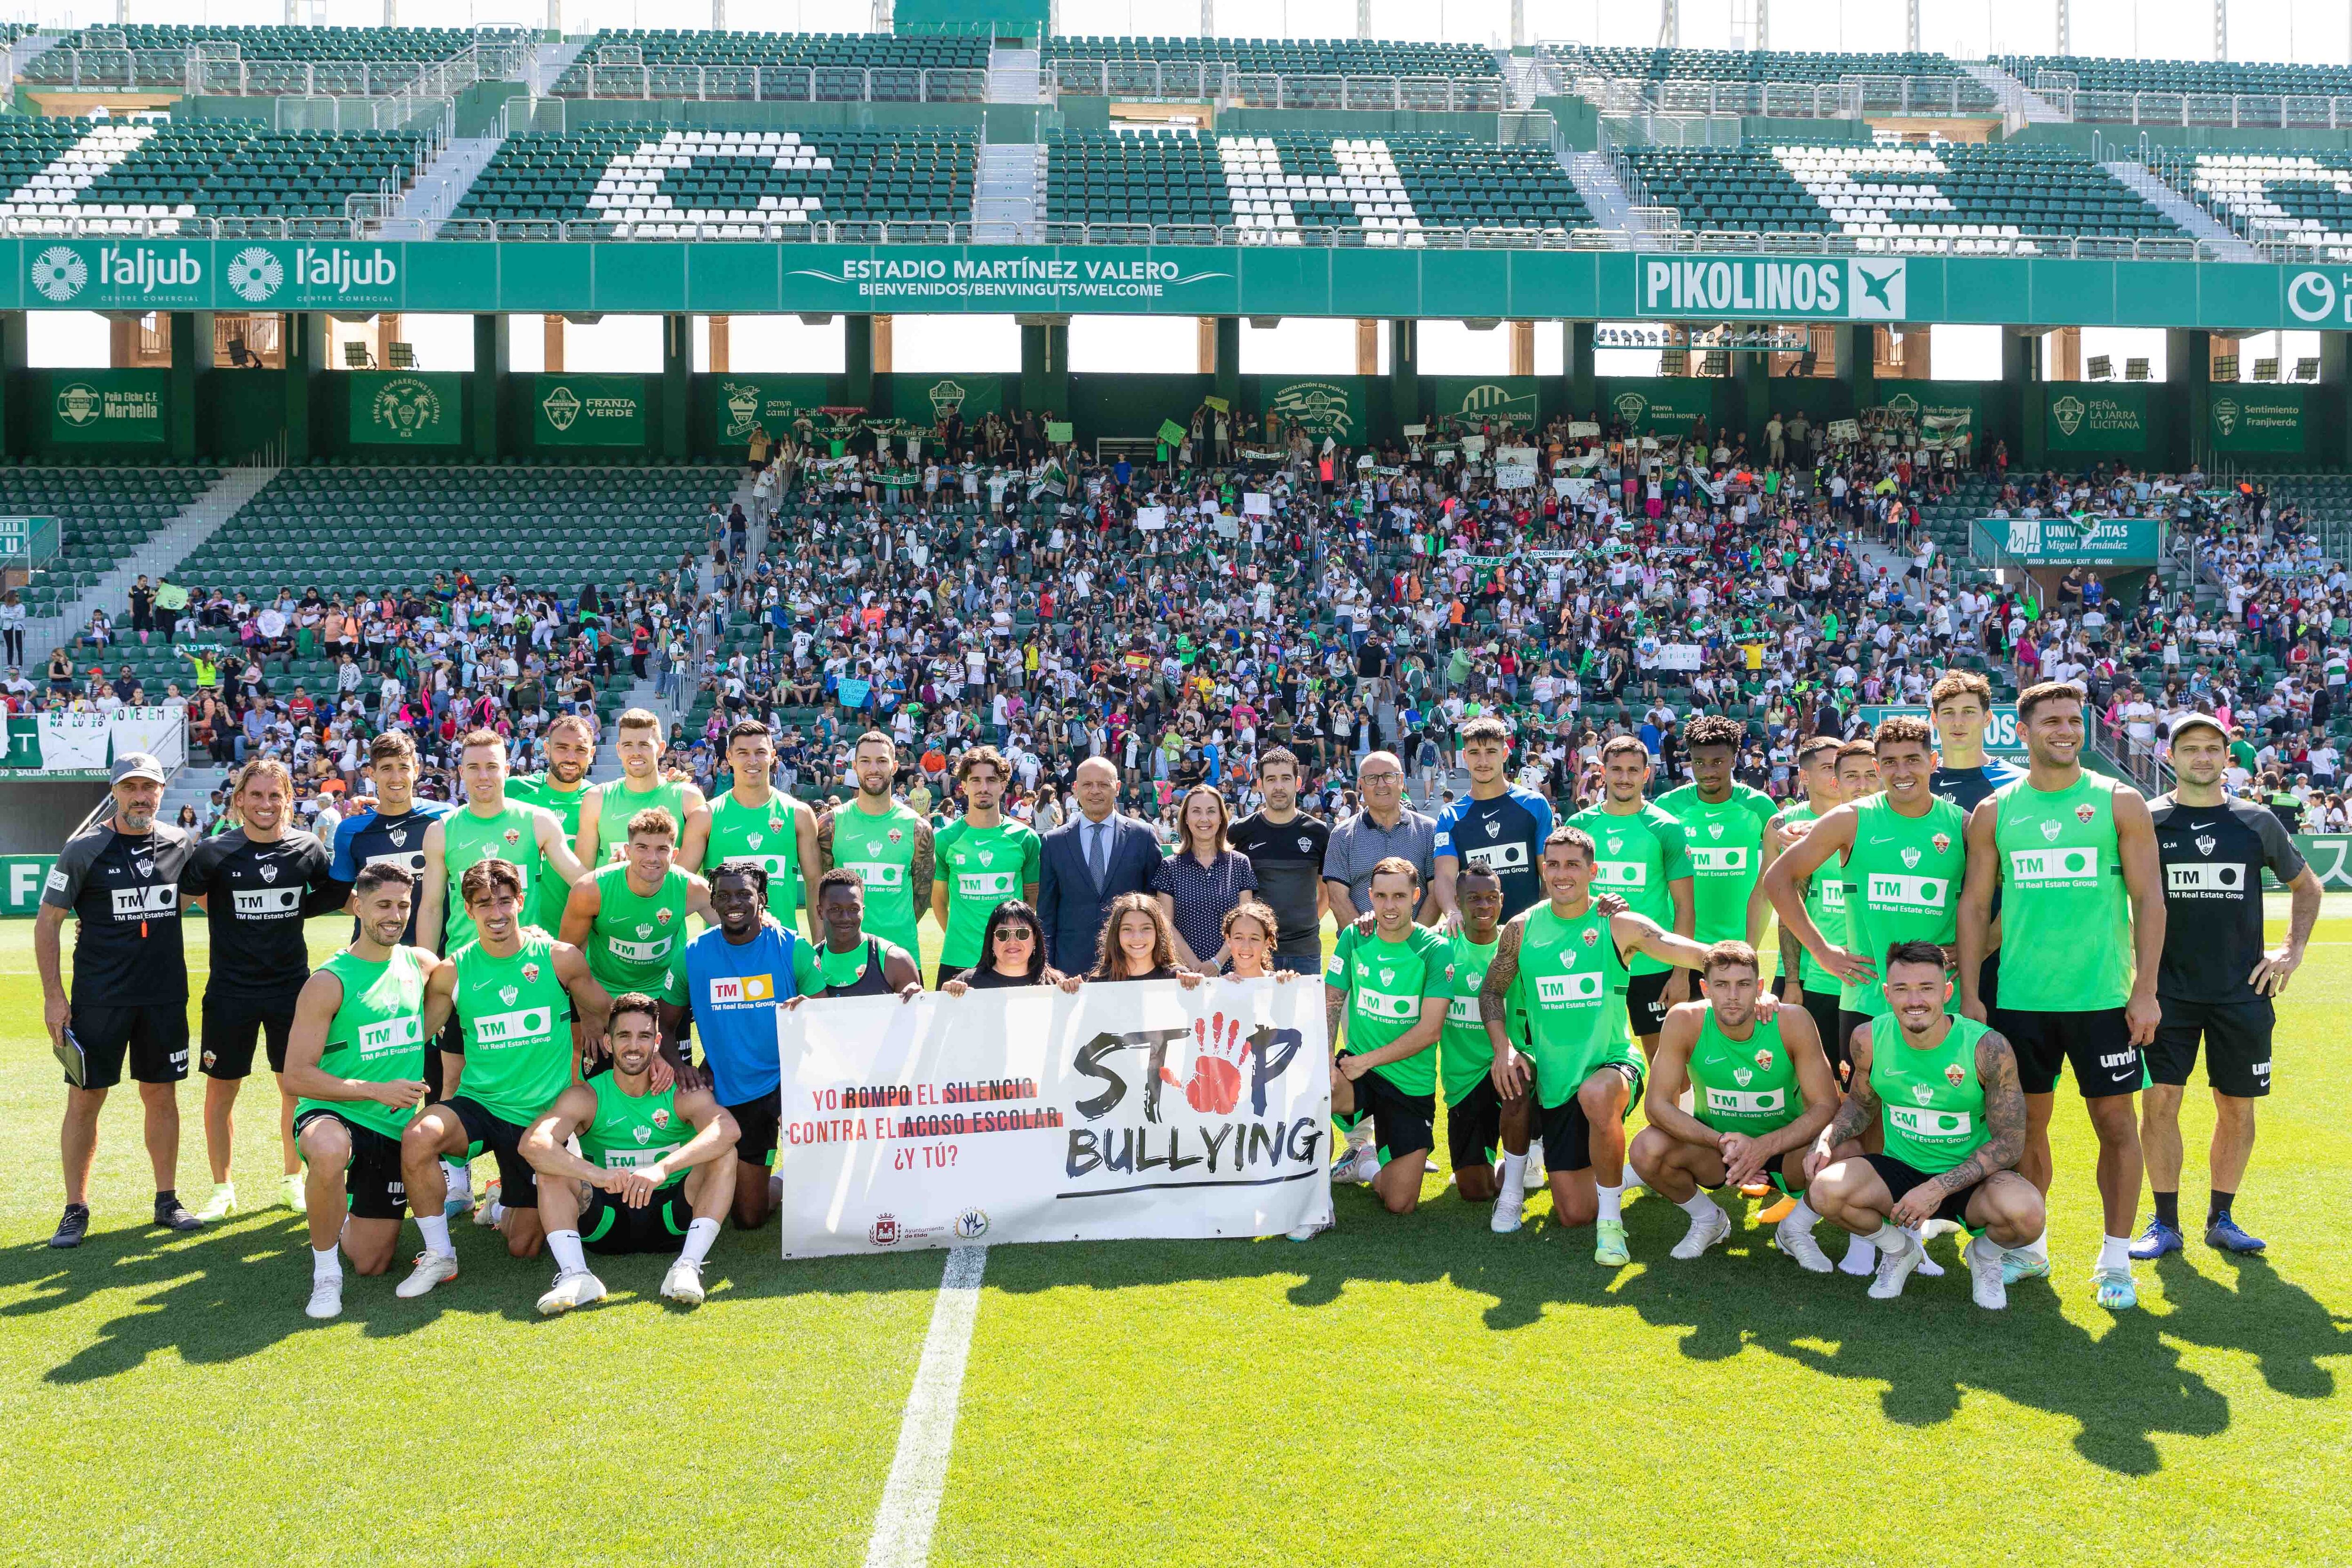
{"x":1010,"y":953}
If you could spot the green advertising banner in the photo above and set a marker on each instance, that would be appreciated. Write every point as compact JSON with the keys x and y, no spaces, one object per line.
{"x":2070,"y":540}
{"x":648,"y":277}
{"x":109,"y":407}
{"x":25,"y":874}
{"x":1482,"y":399}
{"x":2257,"y":419}
{"x":1659,"y":405}
{"x":929,"y":399}
{"x":588,"y":410}
{"x":1333,"y":408}
{"x":406,"y":409}
{"x":2096,"y":417}
{"x":24,"y":753}
{"x":2000,"y":737}
{"x":772,"y":401}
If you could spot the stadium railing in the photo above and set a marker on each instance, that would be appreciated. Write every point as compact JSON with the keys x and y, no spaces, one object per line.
{"x":1195,"y":81}
{"x":2252,"y":112}
{"x":778,"y":83}
{"x":202,"y":71}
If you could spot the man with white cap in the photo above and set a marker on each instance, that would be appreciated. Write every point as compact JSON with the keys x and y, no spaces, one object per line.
{"x":120,"y":879}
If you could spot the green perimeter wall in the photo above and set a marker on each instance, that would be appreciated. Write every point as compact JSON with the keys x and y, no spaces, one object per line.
{"x":229,"y":413}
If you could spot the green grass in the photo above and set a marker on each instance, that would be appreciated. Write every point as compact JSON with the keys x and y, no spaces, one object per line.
{"x":1398,"y":1391}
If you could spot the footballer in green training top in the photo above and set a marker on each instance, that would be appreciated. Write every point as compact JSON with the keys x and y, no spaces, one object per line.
{"x":630,"y":919}
{"x":606,"y":815}
{"x":1724,"y":822}
{"x":1563,"y":962}
{"x":1643,"y":856}
{"x":1386,"y":991}
{"x":1480,"y":1122}
{"x":885,"y":843}
{"x":571,"y":752}
{"x":489,"y":828}
{"x":982,"y":858}
{"x":754,"y":820}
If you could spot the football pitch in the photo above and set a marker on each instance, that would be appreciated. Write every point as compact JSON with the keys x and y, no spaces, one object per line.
{"x":1396,"y":1391}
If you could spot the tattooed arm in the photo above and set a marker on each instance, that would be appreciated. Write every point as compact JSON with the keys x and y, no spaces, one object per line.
{"x":1510,"y":1074}
{"x":921,"y":871}
{"x":2004,"y":1116}
{"x":1335,"y":1009}
{"x":1858,"y":1115}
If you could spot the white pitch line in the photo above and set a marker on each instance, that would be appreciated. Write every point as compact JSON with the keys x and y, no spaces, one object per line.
{"x":919,"y":1471}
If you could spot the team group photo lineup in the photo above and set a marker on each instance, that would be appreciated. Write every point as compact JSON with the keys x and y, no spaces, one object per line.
{"x":527,"y":1029}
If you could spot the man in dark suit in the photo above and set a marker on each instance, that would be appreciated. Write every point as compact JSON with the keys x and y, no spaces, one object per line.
{"x":1088,"y":861}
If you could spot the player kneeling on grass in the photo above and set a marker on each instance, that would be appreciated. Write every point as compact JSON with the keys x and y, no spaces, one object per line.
{"x":355,"y":1064}
{"x":1954,"y":1125}
{"x":1762,"y":1089}
{"x":655,"y":1166}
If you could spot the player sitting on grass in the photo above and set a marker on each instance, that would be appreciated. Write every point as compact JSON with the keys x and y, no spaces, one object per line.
{"x":655,"y":1167}
{"x":1760,"y":1091}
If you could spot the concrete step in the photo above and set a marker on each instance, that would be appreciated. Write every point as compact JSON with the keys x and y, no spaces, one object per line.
{"x":2182,"y":210}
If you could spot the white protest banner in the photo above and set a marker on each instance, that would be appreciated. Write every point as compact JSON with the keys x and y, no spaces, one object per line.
{"x":1575,"y":489}
{"x":1582,"y":429}
{"x":1679,"y":656}
{"x":1151,"y":518}
{"x":1474,"y":445}
{"x":1257,"y":503}
{"x":1027,"y":1114}
{"x":1845,"y":429}
{"x":1416,"y":429}
{"x":161,"y":731}
{"x":73,"y":742}
{"x":1526,"y":455}
{"x":1515,"y":476}
{"x":1229,"y":528}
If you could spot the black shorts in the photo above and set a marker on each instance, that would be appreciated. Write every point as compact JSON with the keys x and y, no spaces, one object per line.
{"x":1568,"y":1132}
{"x":1901,"y":1178}
{"x":609,"y":1225}
{"x":1821,"y":1006}
{"x":758,"y":1124}
{"x":231,"y":1025}
{"x":1401,"y":1123}
{"x":1645,"y":1006}
{"x":372,"y":1188}
{"x":2096,"y":1045}
{"x":153,"y":1038}
{"x":2237,"y":1036}
{"x":1473,"y":1126}
{"x":486,"y":1133}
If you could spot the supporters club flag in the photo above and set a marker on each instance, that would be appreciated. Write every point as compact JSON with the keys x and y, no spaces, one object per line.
{"x":1028,"y":1114}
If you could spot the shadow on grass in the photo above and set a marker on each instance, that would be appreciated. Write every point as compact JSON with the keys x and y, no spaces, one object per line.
{"x":2122,"y":1383}
{"x":238,"y":1289}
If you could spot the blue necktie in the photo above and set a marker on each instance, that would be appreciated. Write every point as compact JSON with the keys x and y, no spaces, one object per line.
{"x":1095,"y":861}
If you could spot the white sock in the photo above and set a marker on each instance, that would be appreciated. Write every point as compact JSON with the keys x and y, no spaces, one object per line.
{"x":565,"y":1245}
{"x":2115,"y":1252}
{"x":2038,"y":1247}
{"x":1699,"y":1205}
{"x":497,"y":1213}
{"x":436,"y":1235}
{"x":327,"y":1265}
{"x":460,"y":1177}
{"x":1862,"y":1244}
{"x":699,"y":1235}
{"x":1514,"y":1172}
{"x":1611,"y":1202}
{"x":1802,"y":1216}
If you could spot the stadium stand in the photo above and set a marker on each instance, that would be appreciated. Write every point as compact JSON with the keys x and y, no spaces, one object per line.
{"x":632,"y":62}
{"x":61,"y":170}
{"x":2090,"y":74}
{"x":1758,"y":65}
{"x":2302,"y":196}
{"x":375,"y":529}
{"x":103,"y":514}
{"x":1294,"y":181}
{"x":1991,"y":198}
{"x":1297,"y":72}
{"x":343,"y":60}
{"x":648,"y":179}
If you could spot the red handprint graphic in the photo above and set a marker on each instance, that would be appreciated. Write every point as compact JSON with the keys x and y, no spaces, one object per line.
{"x":1219,"y":1047}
